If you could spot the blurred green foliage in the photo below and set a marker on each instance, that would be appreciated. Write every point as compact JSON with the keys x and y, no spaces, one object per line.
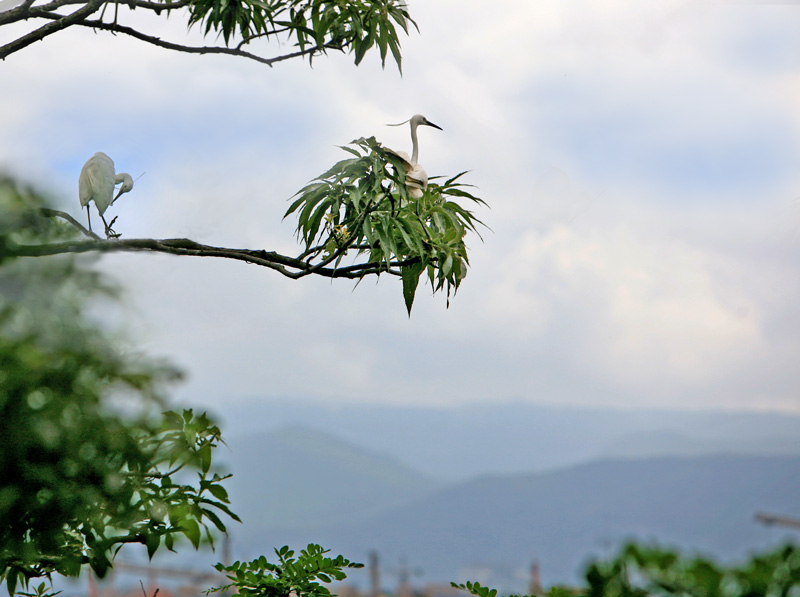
{"x":361,"y":206}
{"x":649,"y":571}
{"x":87,"y":461}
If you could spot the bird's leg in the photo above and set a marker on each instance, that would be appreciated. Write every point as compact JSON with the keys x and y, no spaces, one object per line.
{"x":109,"y":232}
{"x":89,"y":216}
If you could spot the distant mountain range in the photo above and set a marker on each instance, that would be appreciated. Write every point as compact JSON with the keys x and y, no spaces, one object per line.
{"x":460,"y":443}
{"x":499,"y":524}
{"x":295,"y":477}
{"x":298,"y":484}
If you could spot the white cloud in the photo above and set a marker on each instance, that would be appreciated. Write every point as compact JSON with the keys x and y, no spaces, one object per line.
{"x":639,"y":158}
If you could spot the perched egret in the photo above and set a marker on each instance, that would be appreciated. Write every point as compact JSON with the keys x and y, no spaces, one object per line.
{"x":416,"y":177}
{"x":96,"y":183}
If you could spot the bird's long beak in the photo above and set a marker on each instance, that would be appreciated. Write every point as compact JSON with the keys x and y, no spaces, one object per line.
{"x":117,"y":197}
{"x":436,"y":126}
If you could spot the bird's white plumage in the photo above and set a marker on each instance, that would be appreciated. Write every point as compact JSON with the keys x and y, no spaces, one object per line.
{"x":416,"y":181}
{"x":416,"y":176}
{"x":126,"y":185}
{"x":96,"y":183}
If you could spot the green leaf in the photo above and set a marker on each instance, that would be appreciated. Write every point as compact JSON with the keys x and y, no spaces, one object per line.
{"x":11,"y":581}
{"x":191,"y":529}
{"x":205,"y":457}
{"x":152,"y":541}
{"x":410,"y":275}
{"x":219,"y":492}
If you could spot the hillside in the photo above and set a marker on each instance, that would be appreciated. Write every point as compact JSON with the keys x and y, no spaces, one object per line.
{"x":299,"y":478}
{"x":501,"y":523}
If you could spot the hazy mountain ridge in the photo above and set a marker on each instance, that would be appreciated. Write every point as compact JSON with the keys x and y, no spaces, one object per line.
{"x":654,"y":443}
{"x":701,"y":504}
{"x":459,"y":443}
{"x":300,"y":478}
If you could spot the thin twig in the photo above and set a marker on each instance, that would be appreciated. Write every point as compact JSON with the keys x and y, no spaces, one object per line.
{"x":343,"y":249}
{"x":247,"y":40}
{"x":145,"y":592}
{"x":50,"y":213}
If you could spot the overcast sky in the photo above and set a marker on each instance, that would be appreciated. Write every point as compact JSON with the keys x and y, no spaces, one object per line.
{"x":641,"y":161}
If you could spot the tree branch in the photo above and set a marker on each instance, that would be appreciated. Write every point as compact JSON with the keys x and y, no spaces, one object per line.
{"x":60,"y":22}
{"x":18,"y":13}
{"x":157,"y":41}
{"x":291,"y":267}
{"x":51,"y":6}
{"x":50,"y":213}
{"x":343,"y":249}
{"x":159,"y":6}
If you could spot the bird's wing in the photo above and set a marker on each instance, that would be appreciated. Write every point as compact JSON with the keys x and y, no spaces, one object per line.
{"x":84,"y":186}
{"x":403,"y":156}
{"x":97,"y":178}
{"x":417,"y":177}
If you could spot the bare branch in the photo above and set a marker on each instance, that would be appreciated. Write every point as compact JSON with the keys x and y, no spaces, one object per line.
{"x":157,"y":41}
{"x":51,"y":6}
{"x":50,"y":213}
{"x":18,"y":13}
{"x":157,"y":7}
{"x":291,"y":267}
{"x":60,"y":22}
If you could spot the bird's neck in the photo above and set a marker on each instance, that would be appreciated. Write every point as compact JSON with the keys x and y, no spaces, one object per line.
{"x":414,"y":145}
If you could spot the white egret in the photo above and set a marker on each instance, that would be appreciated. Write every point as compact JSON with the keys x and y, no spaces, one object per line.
{"x":416,"y":177}
{"x":96,"y":183}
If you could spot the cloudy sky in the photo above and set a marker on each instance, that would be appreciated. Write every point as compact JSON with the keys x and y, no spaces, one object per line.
{"x":641,"y":161}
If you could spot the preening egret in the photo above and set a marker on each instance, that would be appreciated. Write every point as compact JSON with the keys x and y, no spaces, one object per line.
{"x":416,"y":177}
{"x":96,"y":183}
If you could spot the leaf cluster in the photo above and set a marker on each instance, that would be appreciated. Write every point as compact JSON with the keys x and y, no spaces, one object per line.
{"x":319,"y":25}
{"x":294,"y":574}
{"x":361,"y":207}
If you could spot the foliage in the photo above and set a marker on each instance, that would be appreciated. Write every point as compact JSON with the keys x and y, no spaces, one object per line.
{"x":641,"y":571}
{"x":476,"y":588}
{"x":361,"y":206}
{"x":86,"y":462}
{"x":292,"y":575}
{"x":356,"y":25}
